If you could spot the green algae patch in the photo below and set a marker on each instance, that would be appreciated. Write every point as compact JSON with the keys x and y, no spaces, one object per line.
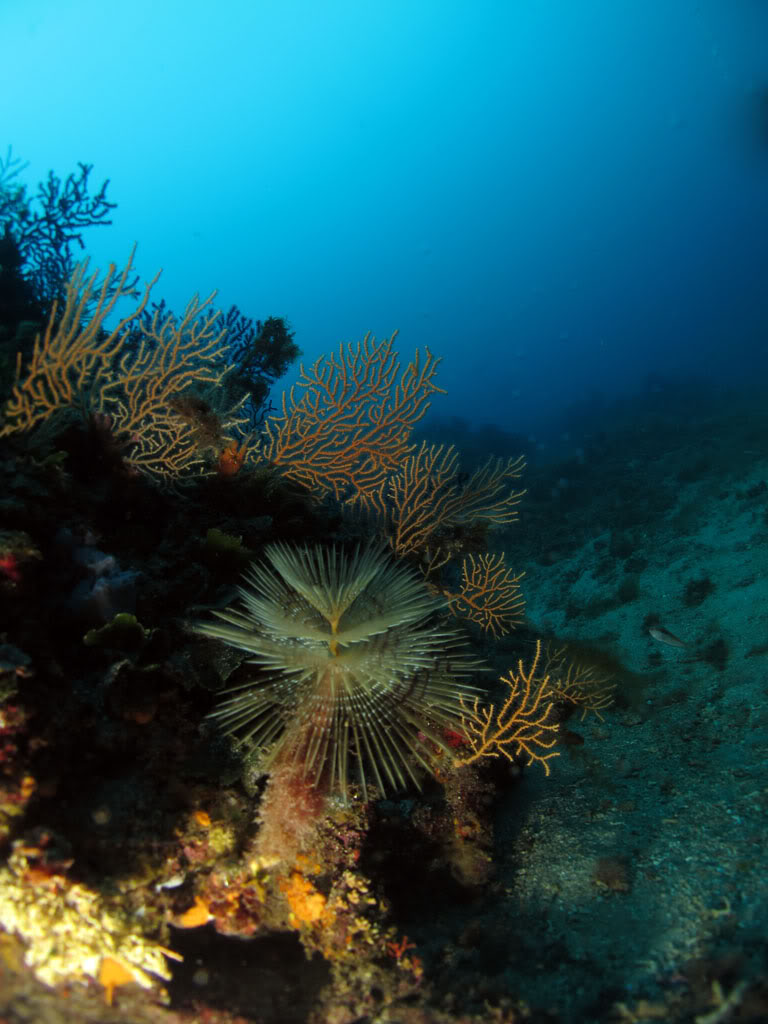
{"x":123,"y":633}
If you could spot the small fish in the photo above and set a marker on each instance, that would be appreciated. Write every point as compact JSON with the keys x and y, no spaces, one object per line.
{"x":171,"y":883}
{"x":665,"y":637}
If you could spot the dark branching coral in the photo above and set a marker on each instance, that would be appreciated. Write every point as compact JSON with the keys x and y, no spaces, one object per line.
{"x":359,"y":679}
{"x":261,"y":353}
{"x":46,"y":229}
{"x":17,"y":296}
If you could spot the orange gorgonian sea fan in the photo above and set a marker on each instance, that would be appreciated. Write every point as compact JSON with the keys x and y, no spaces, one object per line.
{"x":347,"y":423}
{"x":426,"y":495}
{"x":522,"y":726}
{"x":145,"y":383}
{"x":490,"y":594}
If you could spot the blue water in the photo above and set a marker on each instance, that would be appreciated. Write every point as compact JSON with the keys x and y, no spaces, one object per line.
{"x":560,"y":198}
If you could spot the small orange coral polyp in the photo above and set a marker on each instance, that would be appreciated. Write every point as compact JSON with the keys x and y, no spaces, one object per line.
{"x":232,"y":458}
{"x":197,"y":915}
{"x":306,"y":903}
{"x":112,"y":974}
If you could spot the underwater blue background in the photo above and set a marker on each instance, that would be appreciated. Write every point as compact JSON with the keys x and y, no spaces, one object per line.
{"x":558,"y":197}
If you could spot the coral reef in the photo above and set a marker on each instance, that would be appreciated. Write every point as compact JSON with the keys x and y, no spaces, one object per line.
{"x":375,"y":847}
{"x":69,"y":932}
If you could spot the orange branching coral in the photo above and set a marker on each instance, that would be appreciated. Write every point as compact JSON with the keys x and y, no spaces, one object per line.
{"x":426,"y":495}
{"x":71,"y":358}
{"x":140,"y":392}
{"x":520,"y":726}
{"x":584,"y":686}
{"x":416,"y":500}
{"x":490,"y":594}
{"x":351,"y":426}
{"x":173,"y":357}
{"x":485,"y":496}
